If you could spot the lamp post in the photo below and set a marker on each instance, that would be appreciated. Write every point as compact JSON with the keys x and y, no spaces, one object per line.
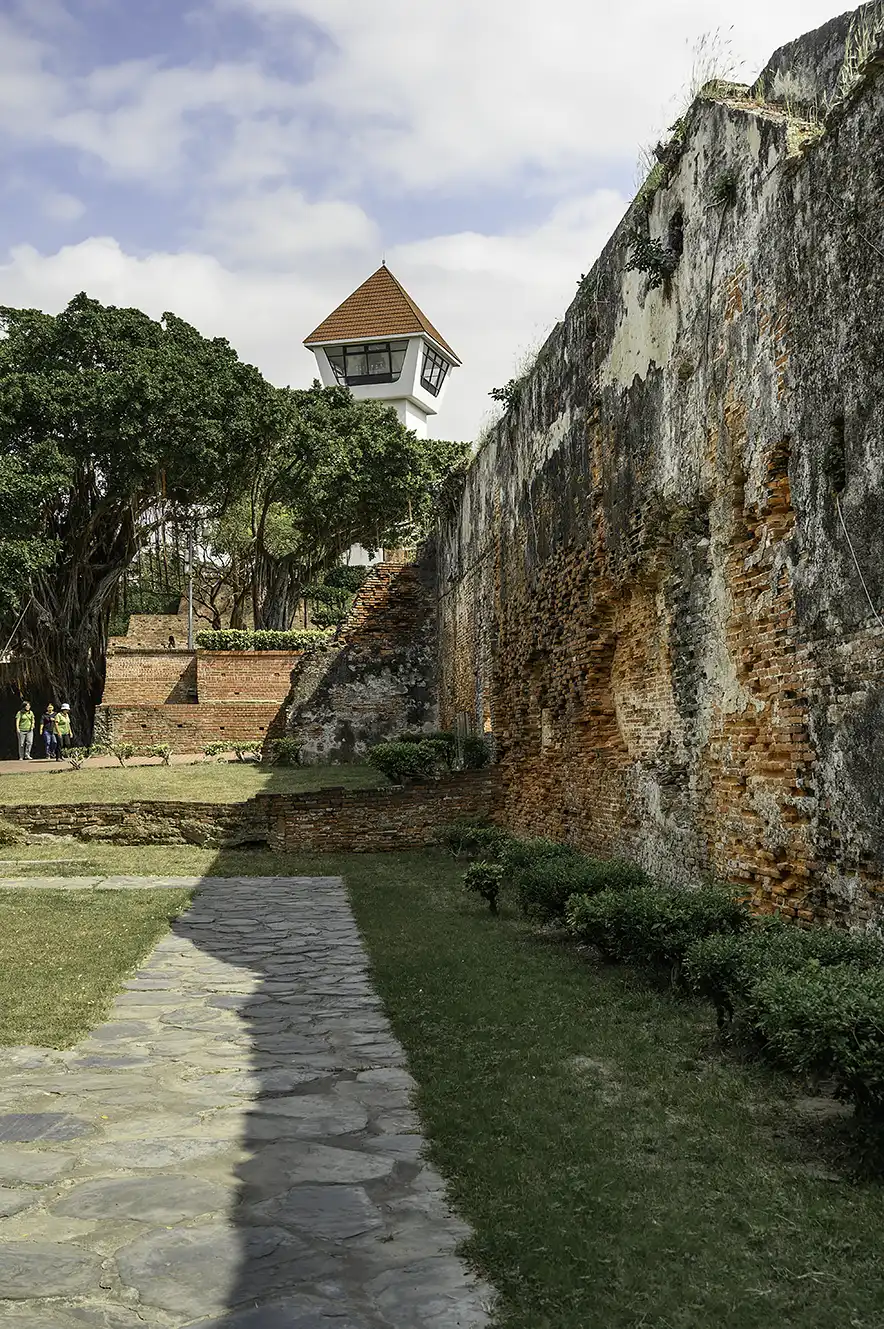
{"x":190,"y":588}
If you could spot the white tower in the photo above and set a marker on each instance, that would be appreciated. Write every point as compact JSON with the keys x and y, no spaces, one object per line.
{"x":381,"y":346}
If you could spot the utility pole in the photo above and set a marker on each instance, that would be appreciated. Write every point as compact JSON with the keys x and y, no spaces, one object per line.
{"x":190,"y":588}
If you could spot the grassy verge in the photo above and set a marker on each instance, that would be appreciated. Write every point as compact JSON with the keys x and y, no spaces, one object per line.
{"x":616,"y":1168}
{"x":63,"y":956}
{"x":203,"y":782}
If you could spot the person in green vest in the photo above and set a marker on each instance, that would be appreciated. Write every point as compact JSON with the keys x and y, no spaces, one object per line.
{"x":24,"y":727}
{"x":63,"y":730}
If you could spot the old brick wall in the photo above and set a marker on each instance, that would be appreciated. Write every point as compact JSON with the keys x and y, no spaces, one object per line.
{"x":245,"y":675}
{"x":145,"y":677}
{"x":190,"y":728}
{"x":377,"y":678}
{"x":188,"y":699}
{"x":329,"y":820}
{"x":647,"y":588}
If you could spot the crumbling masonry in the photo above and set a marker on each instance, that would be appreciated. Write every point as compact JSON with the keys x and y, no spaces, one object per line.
{"x":661,"y":586}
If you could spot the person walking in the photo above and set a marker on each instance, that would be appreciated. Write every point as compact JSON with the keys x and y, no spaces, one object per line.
{"x":24,"y":727}
{"x":63,"y":730}
{"x":49,"y":732}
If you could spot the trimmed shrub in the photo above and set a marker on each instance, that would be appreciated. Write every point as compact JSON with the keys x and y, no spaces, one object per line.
{"x":217,"y":749}
{"x":401,"y":762}
{"x":162,"y":750}
{"x":724,"y":969}
{"x":254,"y":748}
{"x":285,"y":751}
{"x":827,"y":1022}
{"x":232,"y":639}
{"x":653,"y":926}
{"x":485,"y":879}
{"x":76,"y":756}
{"x":445,"y":740}
{"x":543,"y":888}
{"x":475,"y":837}
{"x":122,"y":751}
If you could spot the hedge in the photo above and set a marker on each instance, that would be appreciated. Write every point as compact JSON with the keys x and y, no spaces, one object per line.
{"x":231,"y":639}
{"x":654,"y":926}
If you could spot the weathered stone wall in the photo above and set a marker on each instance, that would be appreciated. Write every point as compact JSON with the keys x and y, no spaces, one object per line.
{"x":329,"y":820}
{"x":647,"y":588}
{"x":377,"y":677}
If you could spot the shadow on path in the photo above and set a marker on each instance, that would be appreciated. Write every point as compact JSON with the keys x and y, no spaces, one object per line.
{"x":263,"y":1022}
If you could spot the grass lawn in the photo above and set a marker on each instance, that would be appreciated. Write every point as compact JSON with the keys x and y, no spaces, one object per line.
{"x":63,"y":956}
{"x":204,"y":782}
{"x":617,"y":1169}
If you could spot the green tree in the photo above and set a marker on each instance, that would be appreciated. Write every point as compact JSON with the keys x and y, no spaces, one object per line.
{"x":107,"y":415}
{"x":340,"y":472}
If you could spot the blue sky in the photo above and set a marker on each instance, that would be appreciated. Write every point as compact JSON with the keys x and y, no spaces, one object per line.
{"x":246,"y":163}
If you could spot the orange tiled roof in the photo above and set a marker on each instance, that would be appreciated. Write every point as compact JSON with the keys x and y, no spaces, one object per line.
{"x":380,"y":307}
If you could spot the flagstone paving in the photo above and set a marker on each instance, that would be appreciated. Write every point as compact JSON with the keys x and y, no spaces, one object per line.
{"x":235,"y":1147}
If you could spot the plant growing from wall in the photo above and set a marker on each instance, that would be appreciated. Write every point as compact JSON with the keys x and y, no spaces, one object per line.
{"x":650,"y":256}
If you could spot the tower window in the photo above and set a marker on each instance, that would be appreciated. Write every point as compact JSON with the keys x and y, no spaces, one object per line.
{"x":433,"y":371}
{"x":373,"y":362}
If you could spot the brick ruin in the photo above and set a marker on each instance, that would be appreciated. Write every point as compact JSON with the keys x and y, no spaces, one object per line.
{"x":646,"y":590}
{"x":372,"y":680}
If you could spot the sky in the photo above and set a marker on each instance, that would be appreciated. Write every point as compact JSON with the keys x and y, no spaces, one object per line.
{"x":247,"y":163}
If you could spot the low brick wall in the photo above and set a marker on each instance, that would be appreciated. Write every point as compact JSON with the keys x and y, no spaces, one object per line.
{"x":328,"y":820}
{"x":190,"y":728}
{"x":377,"y":820}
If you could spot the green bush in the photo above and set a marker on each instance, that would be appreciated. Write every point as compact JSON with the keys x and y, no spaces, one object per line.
{"x":653,"y":926}
{"x":231,"y":639}
{"x":827,"y":1022}
{"x":725,"y":968}
{"x":474,"y":753}
{"x":543,"y":888}
{"x":122,"y":751}
{"x":162,"y":750}
{"x":485,"y":879}
{"x":401,"y":762}
{"x":286,"y":751}
{"x":347,"y":578}
{"x":524,"y":853}
{"x":445,"y":740}
{"x":76,"y":756}
{"x":472,"y":837}
{"x":328,"y":616}
{"x":218,"y":748}
{"x":254,"y":747}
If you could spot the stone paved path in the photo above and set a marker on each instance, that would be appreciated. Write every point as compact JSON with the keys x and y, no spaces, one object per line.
{"x":235,"y":1147}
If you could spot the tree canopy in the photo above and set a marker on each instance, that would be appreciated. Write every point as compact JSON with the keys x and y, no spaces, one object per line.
{"x":105,"y":414}
{"x":113,"y":424}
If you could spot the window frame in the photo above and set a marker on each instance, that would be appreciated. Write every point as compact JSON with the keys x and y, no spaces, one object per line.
{"x":434,"y":381}
{"x":370,"y":349}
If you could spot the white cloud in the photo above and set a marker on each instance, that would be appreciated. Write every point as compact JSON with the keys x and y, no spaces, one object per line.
{"x":461,"y":91}
{"x":63,"y":207}
{"x":485,"y":293}
{"x":30,"y":96}
{"x":280,"y":227}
